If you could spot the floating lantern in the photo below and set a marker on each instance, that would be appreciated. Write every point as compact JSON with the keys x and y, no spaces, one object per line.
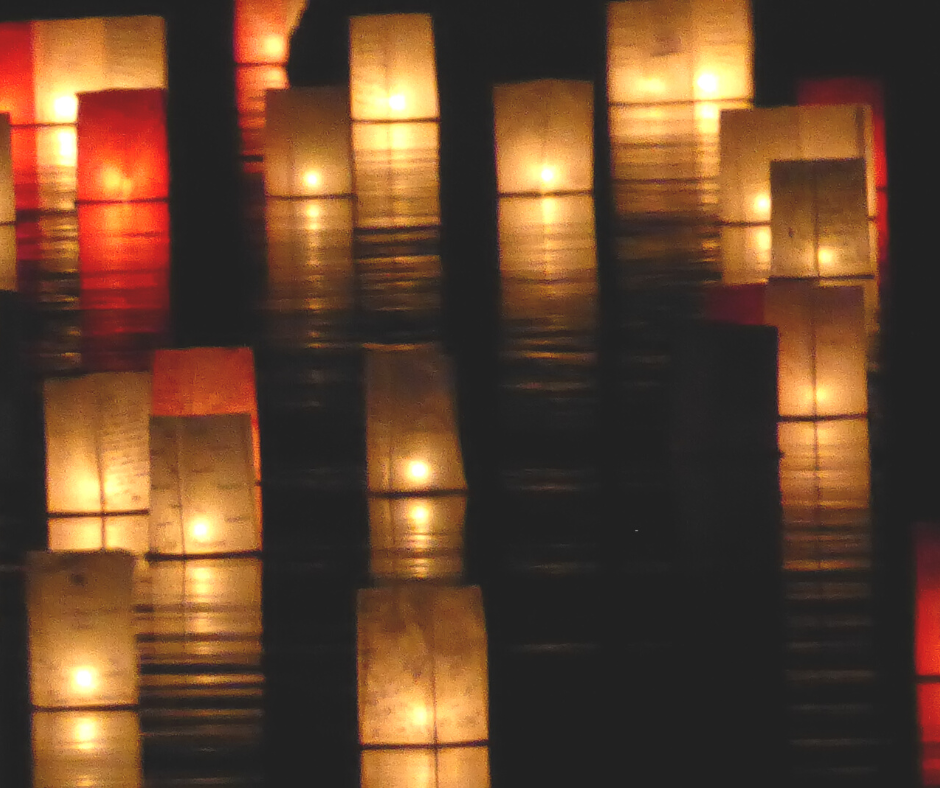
{"x":819,"y":219}
{"x":421,"y":666}
{"x":202,"y":493}
{"x":416,"y":538}
{"x":825,"y":490}
{"x":926,"y":623}
{"x":86,"y":748}
{"x":7,"y":209}
{"x":412,"y":443}
{"x":81,"y":629}
{"x":750,"y":140}
{"x":307,"y":143}
{"x":420,"y":767}
{"x":16,"y":65}
{"x":662,"y":52}
{"x":822,"y":349}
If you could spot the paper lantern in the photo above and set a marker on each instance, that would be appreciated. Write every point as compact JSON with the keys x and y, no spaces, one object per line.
{"x":416,"y":538}
{"x":822,"y":350}
{"x":262,"y":29}
{"x":928,"y":713}
{"x":251,"y":85}
{"x":16,"y":65}
{"x":392,"y":72}
{"x":207,"y":381}
{"x":741,"y":305}
{"x":544,"y":137}
{"x":202,"y":490}
{"x":97,"y":445}
{"x":927,"y":577}
{"x":307,"y":143}
{"x":819,"y":220}
{"x":412,"y":443}
{"x":421,"y":666}
{"x":86,"y":748}
{"x":73,"y":56}
{"x":205,"y":610}
{"x":825,"y":491}
{"x":420,"y":767}
{"x":122,"y":146}
{"x":81,"y":629}
{"x":662,"y":51}
{"x":7,"y":209}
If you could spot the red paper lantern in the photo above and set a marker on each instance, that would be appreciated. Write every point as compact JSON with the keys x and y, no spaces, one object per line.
{"x":16,"y":68}
{"x":122,"y":146}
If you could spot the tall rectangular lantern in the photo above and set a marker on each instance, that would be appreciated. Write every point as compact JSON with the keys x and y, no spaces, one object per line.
{"x":7,"y":208}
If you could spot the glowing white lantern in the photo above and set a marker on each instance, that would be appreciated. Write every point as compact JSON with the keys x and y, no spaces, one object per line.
{"x":824,"y":486}
{"x":205,"y":610}
{"x":7,"y":209}
{"x":544,"y":137}
{"x":416,"y":538}
{"x":422,"y":666}
{"x":202,"y":494}
{"x":822,"y":348}
{"x":307,"y":143}
{"x":819,"y":221}
{"x":86,"y":748}
{"x":392,"y":74}
{"x":81,"y":630}
{"x":412,"y":443}
{"x":426,"y":767}
{"x":663,"y":51}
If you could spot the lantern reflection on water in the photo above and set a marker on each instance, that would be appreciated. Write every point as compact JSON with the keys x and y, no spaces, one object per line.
{"x":97,"y":461}
{"x":72,"y":749}
{"x":81,"y":631}
{"x":202,"y":495}
{"x":412,"y":443}
{"x":927,"y":647}
{"x":425,"y":767}
{"x":7,"y":209}
{"x":422,"y":666}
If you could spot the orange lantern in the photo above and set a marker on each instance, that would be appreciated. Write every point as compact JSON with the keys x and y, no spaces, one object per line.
{"x":16,"y":65}
{"x":426,"y":767}
{"x":262,"y":29}
{"x":7,"y":209}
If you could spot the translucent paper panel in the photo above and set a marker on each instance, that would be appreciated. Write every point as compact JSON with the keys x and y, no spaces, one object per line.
{"x":262,"y":29}
{"x":822,"y":348}
{"x":391,"y":67}
{"x":825,"y":489}
{"x":16,"y":65}
{"x":97,"y":443}
{"x":56,"y":156}
{"x":8,"y":276}
{"x":416,"y":538}
{"x":310,"y":255}
{"x":928,"y":717}
{"x":307,"y":143}
{"x":202,"y":494}
{"x":7,"y":202}
{"x":751,"y":139}
{"x":419,"y":767}
{"x":662,"y":51}
{"x":251,"y":85}
{"x":422,"y":666}
{"x":412,"y":443}
{"x":926,"y":623}
{"x":205,"y":610}
{"x":81,"y":629}
{"x":86,"y":748}
{"x":396,"y":173}
{"x":72,"y":56}
{"x":544,"y":136}
{"x":819,"y":219}
{"x":122,"y":146}
{"x":207,"y":381}
{"x":119,"y":532}
{"x":746,"y":253}
{"x":548,"y":262}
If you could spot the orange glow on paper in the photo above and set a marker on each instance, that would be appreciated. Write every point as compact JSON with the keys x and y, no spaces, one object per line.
{"x":927,"y":602}
{"x":122,"y":146}
{"x":16,"y":72}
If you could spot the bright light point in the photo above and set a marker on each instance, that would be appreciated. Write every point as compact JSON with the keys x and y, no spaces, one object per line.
{"x":67,"y":146}
{"x":200,"y":530}
{"x":84,"y":679}
{"x":312,"y":179}
{"x":274,"y":47}
{"x":86,"y":731}
{"x":707,"y":83}
{"x":112,"y":179}
{"x":419,"y":715}
{"x":418,"y":470}
{"x":762,"y":204}
{"x":825,"y":255}
{"x":419,"y":515}
{"x":547,"y":174}
{"x":312,"y":212}
{"x":65,"y":108}
{"x":396,"y":102}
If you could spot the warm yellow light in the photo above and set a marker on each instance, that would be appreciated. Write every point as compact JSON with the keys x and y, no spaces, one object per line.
{"x":419,"y":514}
{"x":707,"y":83}
{"x":65,"y":108}
{"x":418,"y":470}
{"x":763,"y":239}
{"x":825,"y":255}
{"x":84,"y":679}
{"x":200,"y":530}
{"x":548,"y":175}
{"x":396,"y":102}
{"x":312,"y":212}
{"x":762,"y":205}
{"x":274,"y":47}
{"x":312,"y":179}
{"x":653,"y":85}
{"x":419,"y":716}
{"x":86,"y":733}
{"x":66,"y":147}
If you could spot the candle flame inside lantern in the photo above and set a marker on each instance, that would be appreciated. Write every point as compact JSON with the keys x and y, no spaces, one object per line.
{"x":419,"y":715}
{"x":418,"y":470}
{"x":396,"y":102}
{"x":825,"y":255}
{"x":275,"y":47}
{"x":312,"y":179}
{"x":65,"y":108}
{"x":200,"y":530}
{"x":707,"y":82}
{"x":84,"y":679}
{"x":548,"y":175}
{"x":762,"y":205}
